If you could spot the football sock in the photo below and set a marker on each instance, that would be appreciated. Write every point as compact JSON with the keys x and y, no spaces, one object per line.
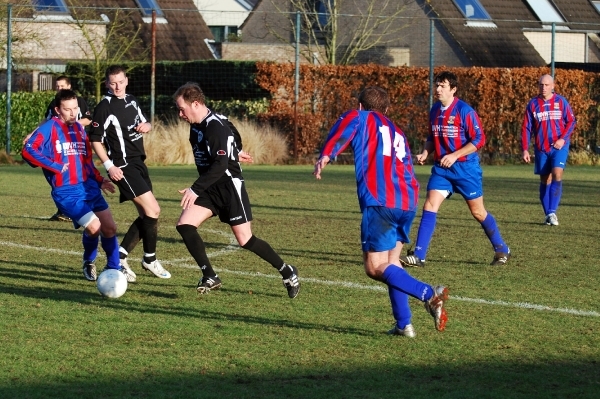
{"x":545,"y":197}
{"x":400,"y":308}
{"x":426,"y":229}
{"x":196,"y":247}
{"x":264,"y":250}
{"x":286,"y":271}
{"x":132,"y":237}
{"x":111,"y":247}
{"x":397,"y":278}
{"x":90,"y":247}
{"x":555,"y":194}
{"x":150,"y":234}
{"x":491,"y":230}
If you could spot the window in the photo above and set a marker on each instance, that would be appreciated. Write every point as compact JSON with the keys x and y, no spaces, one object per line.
{"x":147,"y":6}
{"x":222,"y":33}
{"x":545,"y":11}
{"x":472,"y":9}
{"x":57,"y":6}
{"x":596,"y":5}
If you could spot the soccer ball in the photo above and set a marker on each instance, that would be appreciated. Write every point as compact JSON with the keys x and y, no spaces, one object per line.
{"x":112,"y":283}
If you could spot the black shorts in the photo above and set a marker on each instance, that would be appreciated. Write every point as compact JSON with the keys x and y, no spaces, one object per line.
{"x":229,"y":200}
{"x":135,"y":181}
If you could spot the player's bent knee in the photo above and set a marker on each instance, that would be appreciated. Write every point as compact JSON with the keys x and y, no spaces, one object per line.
{"x":108,"y":229}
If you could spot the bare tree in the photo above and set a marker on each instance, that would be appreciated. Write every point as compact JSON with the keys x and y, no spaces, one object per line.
{"x":340,"y":30}
{"x":23,"y":31}
{"x":119,"y":40}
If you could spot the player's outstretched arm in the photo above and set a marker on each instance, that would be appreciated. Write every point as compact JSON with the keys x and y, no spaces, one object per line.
{"x":320,"y":165}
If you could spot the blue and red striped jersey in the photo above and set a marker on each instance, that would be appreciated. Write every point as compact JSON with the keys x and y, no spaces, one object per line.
{"x":453,"y":128}
{"x":548,"y":121}
{"x":54,"y":144}
{"x":382,"y":159}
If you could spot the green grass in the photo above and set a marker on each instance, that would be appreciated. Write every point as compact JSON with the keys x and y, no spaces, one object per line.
{"x":60,"y":339}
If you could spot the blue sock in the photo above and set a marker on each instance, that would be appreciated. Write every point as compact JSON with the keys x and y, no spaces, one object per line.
{"x":491,"y":230}
{"x":111,"y":247}
{"x":555,"y":194}
{"x":545,"y":197}
{"x":90,"y":247}
{"x":400,"y":308}
{"x":397,"y":278}
{"x":426,"y":229}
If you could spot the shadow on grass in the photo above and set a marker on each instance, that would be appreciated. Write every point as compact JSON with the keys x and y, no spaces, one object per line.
{"x":490,"y":379}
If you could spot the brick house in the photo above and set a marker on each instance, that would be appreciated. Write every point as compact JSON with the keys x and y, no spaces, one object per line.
{"x":491,"y":33}
{"x":181,"y":33}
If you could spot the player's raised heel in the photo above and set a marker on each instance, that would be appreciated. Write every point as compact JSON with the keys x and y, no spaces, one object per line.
{"x":292,"y":284}
{"x":435,"y":307}
{"x":207,"y":284}
{"x":412,"y":261}
{"x":156,"y":269}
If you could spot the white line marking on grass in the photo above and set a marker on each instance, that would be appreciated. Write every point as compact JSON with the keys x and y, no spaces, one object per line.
{"x":183,"y":263}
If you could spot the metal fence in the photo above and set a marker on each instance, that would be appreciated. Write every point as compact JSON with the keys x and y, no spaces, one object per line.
{"x":40,"y":43}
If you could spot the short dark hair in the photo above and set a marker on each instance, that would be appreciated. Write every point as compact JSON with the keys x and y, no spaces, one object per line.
{"x":65,"y":78}
{"x":190,"y":92}
{"x":64,"y":95}
{"x":114,"y":70}
{"x":449,"y":76}
{"x":374,"y":98}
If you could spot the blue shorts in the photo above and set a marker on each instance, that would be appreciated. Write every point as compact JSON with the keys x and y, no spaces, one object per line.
{"x":382,"y":228}
{"x":79,"y":200}
{"x":465,"y":178}
{"x":546,"y":161}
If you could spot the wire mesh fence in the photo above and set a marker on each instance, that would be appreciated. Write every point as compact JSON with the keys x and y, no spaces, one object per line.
{"x":166,"y":43}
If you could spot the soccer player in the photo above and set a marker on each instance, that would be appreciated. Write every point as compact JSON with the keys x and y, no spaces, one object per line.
{"x":60,"y":147}
{"x":83,"y":117}
{"x":388,"y":197}
{"x":549,"y":118}
{"x":219,"y":190}
{"x":119,"y":124}
{"x":455,"y":135}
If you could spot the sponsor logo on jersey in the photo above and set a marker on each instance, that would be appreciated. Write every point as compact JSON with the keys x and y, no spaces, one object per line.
{"x":95,"y":124}
{"x":221,"y":152}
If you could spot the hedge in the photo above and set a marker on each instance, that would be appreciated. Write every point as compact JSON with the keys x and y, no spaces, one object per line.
{"x":499,"y":95}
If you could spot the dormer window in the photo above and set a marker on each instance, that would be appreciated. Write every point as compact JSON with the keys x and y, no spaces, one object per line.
{"x":472,"y":9}
{"x":51,"y":6}
{"x":146,"y":6}
{"x":547,"y":12}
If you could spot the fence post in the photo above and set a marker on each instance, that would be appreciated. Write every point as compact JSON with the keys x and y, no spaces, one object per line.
{"x":296,"y":85}
{"x":8,"y":75}
{"x":552,"y":49}
{"x":431,"y":60}
{"x":153,"y":70}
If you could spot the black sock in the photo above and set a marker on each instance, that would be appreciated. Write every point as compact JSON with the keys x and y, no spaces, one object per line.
{"x":264,"y":250}
{"x":150,"y":233}
{"x":196,"y":247}
{"x":132,"y":237}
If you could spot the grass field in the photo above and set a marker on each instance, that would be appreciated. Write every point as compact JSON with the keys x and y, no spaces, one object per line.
{"x":530,"y":329}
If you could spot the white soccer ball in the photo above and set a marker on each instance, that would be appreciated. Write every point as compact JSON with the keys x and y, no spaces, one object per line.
{"x":112,"y":283}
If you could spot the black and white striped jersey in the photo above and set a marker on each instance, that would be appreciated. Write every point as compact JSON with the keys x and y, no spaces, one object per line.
{"x":215,"y":152}
{"x":114,"y":125}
